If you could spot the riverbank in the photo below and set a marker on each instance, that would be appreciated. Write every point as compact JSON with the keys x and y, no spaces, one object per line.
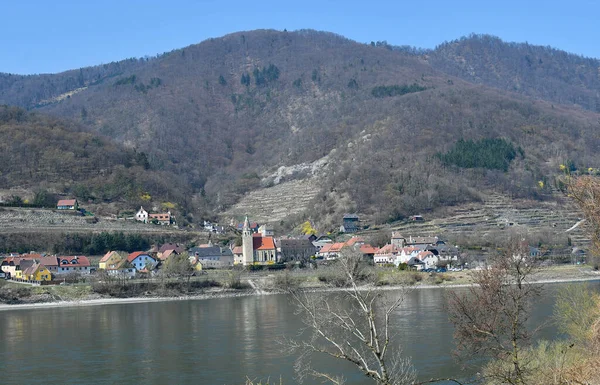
{"x":545,"y":276}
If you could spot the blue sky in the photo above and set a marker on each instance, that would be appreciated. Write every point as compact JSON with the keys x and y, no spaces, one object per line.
{"x":53,"y":36}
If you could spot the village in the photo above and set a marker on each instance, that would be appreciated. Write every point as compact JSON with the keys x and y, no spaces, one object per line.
{"x":259,"y":248}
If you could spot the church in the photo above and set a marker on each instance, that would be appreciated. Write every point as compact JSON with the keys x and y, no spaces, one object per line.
{"x":257,"y":248}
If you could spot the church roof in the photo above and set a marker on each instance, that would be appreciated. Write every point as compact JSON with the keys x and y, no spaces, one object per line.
{"x":263,"y":243}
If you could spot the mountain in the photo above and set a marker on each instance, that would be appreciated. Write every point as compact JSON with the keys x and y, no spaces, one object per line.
{"x":540,"y":72}
{"x":371,"y":129}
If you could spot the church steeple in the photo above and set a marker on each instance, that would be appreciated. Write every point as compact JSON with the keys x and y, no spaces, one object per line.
{"x":247,"y":244}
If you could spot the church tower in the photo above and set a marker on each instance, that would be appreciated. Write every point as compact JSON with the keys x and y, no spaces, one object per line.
{"x":247,"y":244}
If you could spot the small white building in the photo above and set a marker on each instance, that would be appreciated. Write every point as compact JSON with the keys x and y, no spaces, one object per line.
{"x":141,"y":215}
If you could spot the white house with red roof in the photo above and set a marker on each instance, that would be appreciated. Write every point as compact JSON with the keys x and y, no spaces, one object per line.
{"x":67,"y":204}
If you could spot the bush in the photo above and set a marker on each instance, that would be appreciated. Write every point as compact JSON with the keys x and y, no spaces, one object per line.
{"x":12,"y":295}
{"x":286,"y":282}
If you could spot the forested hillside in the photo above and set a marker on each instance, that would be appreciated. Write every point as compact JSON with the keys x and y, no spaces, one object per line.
{"x":541,"y":72}
{"x":216,"y":120}
{"x":39,"y":152}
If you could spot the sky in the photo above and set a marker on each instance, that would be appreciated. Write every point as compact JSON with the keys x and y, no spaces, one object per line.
{"x":53,"y":36}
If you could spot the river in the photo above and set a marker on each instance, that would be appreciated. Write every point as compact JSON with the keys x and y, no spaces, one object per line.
{"x":216,"y":341}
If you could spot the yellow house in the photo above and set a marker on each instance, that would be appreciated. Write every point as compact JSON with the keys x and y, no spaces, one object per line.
{"x":195,"y":263}
{"x":110,"y":259}
{"x":37,"y":272}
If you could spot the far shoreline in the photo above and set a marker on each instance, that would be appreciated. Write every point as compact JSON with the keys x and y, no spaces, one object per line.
{"x":232,"y":294}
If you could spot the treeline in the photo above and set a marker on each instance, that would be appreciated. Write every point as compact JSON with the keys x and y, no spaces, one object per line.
{"x":84,"y":243}
{"x":491,"y":154}
{"x":396,"y":90}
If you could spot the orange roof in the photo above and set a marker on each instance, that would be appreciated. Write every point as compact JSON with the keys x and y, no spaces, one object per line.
{"x":326,"y":247}
{"x":263,"y":243}
{"x":337,"y":247}
{"x":66,"y":202}
{"x":107,"y":256}
{"x":135,"y":254}
{"x":352,"y":241}
{"x":238,"y":250}
{"x":166,"y":254}
{"x":424,"y":254}
{"x":388,"y":249}
{"x":368,"y":249}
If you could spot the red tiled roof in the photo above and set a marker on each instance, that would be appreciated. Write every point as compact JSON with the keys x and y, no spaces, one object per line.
{"x":337,"y":247}
{"x":238,"y":250}
{"x":66,"y":202}
{"x":165,"y":255}
{"x":263,"y":243}
{"x":352,"y":241}
{"x":368,"y":249}
{"x":135,"y":254}
{"x":424,"y":254}
{"x":389,"y":249}
{"x":30,"y":256}
{"x":49,"y":261}
{"x":80,"y":261}
{"x":326,"y":247}
{"x":107,"y":256}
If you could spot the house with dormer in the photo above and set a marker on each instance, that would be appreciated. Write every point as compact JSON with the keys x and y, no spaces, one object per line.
{"x":73,"y":264}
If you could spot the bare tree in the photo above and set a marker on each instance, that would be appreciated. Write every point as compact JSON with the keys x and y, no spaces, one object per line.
{"x":585,"y":190}
{"x":490,"y":319}
{"x":352,"y":325}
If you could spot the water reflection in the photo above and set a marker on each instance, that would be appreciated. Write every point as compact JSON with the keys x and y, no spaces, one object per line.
{"x":217,"y":341}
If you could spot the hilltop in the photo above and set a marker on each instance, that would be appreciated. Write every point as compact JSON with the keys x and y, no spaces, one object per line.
{"x":361,"y":127}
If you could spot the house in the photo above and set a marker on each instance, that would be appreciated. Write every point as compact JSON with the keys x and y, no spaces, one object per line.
{"x":110,"y":258}
{"x":238,"y":255}
{"x":141,"y":215}
{"x":195,"y":263}
{"x":368,"y":251}
{"x":350,"y":223}
{"x":67,"y":204}
{"x":51,"y":263}
{"x":428,"y":258}
{"x":295,"y":250}
{"x":36,"y":272}
{"x":415,"y":263}
{"x":162,"y":219}
{"x":212,"y":257}
{"x":171,"y":246}
{"x":14,"y":266}
{"x":392,"y":253}
{"x":140,"y":260}
{"x":417,"y":218}
{"x":121,"y":269}
{"x":331,"y":250}
{"x":257,"y":248}
{"x":73,"y":264}
{"x":167,"y":254}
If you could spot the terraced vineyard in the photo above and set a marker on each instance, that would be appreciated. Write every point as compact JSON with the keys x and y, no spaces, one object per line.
{"x":273,"y":204}
{"x":500,"y":212}
{"x":21,"y":220}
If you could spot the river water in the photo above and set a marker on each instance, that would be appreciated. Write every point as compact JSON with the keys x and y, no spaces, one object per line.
{"x":217,"y":341}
